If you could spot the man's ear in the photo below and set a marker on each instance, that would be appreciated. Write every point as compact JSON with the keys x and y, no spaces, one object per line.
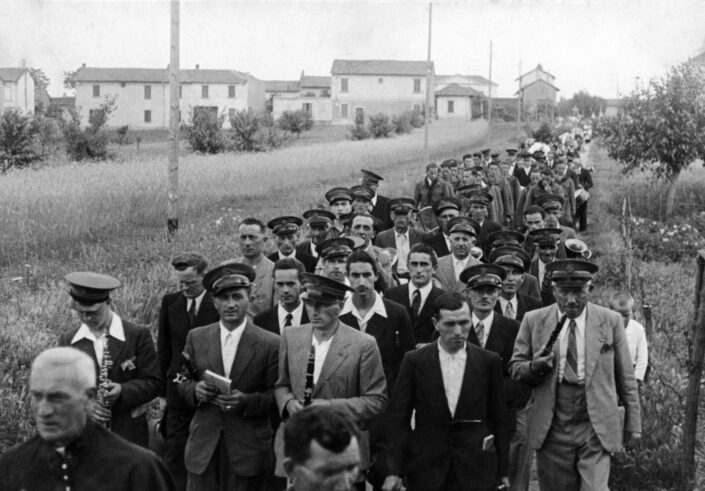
{"x":288,"y":466}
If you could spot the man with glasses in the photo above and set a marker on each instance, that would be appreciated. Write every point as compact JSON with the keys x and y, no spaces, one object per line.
{"x":574,"y":421}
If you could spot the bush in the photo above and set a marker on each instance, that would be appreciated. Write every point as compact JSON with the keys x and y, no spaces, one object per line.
{"x":359,"y":131}
{"x":269,"y":137}
{"x":402,"y":123}
{"x":671,"y":241}
{"x":121,"y":135}
{"x":204,"y":134}
{"x":416,"y":118}
{"x":17,"y":141}
{"x":380,"y":126}
{"x":296,"y":122}
{"x":90,"y":143}
{"x":543,"y":134}
{"x":47,"y":134}
{"x":244,"y":125}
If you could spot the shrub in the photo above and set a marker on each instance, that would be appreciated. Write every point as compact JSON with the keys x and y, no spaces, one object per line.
{"x":17,"y":147}
{"x":671,"y":241}
{"x":244,"y":125}
{"x":121,"y":136}
{"x":416,"y":118}
{"x":204,"y":134}
{"x":296,"y":122}
{"x":359,"y":131}
{"x":402,"y":123}
{"x":90,"y":143}
{"x":47,"y":134}
{"x":269,"y":137}
{"x":380,"y":126}
{"x":543,"y":134}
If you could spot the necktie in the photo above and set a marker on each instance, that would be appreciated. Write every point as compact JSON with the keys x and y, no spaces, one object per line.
{"x":287,"y":320}
{"x":570,"y":371}
{"x":228,"y":353}
{"x":509,"y":311}
{"x":416,"y":302}
{"x":480,"y":332}
{"x":545,"y":284}
{"x":310,"y":367}
{"x":192,"y":312}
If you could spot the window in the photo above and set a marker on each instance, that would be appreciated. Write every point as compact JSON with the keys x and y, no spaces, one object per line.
{"x":148,"y":116}
{"x":123,"y":84}
{"x":306,"y":107}
{"x":344,"y":111}
{"x":8,"y":93}
{"x":204,"y":92}
{"x":93,"y":115}
{"x":343,"y":84}
{"x":231,"y":113}
{"x":231,"y":91}
{"x":451,"y":107}
{"x":359,"y":115}
{"x":380,"y":80}
{"x":181,"y":91}
{"x":96,"y":90}
{"x":147,"y":92}
{"x":417,"y":86}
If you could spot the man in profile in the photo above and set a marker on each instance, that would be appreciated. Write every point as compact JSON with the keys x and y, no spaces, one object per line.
{"x":70,"y":451}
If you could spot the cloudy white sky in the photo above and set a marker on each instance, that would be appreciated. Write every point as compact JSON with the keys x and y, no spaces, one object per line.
{"x":598,"y":46}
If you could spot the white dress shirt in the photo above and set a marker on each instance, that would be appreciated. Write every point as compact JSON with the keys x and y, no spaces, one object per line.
{"x":636,"y":339}
{"x":503,"y":305}
{"x":198,"y":301}
{"x":115,"y":330}
{"x":452,"y":370}
{"x":542,"y":272}
{"x":228,"y":347}
{"x":321,"y":353}
{"x":377,"y":308}
{"x":425,"y":290}
{"x":579,"y":342}
{"x":290,"y":256}
{"x":312,"y":247}
{"x":486,"y":324}
{"x":403,"y":245}
{"x":447,"y":239}
{"x":296,"y":315}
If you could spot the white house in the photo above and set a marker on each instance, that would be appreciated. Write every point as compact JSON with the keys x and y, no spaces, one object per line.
{"x":456,"y":101}
{"x":143,"y":94}
{"x":360,"y":88}
{"x":313,"y":97}
{"x":17,"y":90}
{"x":476,"y":82}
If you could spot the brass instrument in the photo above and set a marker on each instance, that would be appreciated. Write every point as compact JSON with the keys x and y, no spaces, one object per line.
{"x":577,"y":249}
{"x":104,"y":380}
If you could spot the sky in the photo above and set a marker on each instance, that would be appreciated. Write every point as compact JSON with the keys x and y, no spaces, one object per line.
{"x":597,"y":46}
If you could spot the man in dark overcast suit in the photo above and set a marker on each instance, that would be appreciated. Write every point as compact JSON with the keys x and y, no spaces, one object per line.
{"x":380,"y":204}
{"x":319,"y":225}
{"x":289,"y":311}
{"x":286,"y":233}
{"x":445,"y":209}
{"x":192,"y":306}
{"x":401,"y":237}
{"x":512,"y":303}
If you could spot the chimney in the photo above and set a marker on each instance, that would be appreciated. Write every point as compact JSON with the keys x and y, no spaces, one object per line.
{"x":198,"y":66}
{"x":83,"y":65}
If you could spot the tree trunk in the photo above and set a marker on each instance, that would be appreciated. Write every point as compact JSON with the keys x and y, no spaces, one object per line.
{"x":671,"y":194}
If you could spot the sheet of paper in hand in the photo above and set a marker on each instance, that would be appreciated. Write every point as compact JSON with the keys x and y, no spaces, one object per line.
{"x":218,"y":381}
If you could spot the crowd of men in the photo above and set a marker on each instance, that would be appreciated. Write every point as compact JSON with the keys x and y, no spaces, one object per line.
{"x":432,"y":342}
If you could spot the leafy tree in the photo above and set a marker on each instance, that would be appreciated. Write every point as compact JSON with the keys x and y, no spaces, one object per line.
{"x":17,"y":141}
{"x":380,"y":126}
{"x":543,"y":134}
{"x":90,"y":143}
{"x":581,"y":104}
{"x":296,"y":122}
{"x":70,"y":80}
{"x":204,"y":134}
{"x":245,"y":125}
{"x":41,"y":81}
{"x":661,"y":128}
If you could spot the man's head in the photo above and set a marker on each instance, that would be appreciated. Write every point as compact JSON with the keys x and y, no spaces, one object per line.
{"x":479,"y":205}
{"x":623,"y":303}
{"x":287,"y":282}
{"x":362,"y":199}
{"x":504,"y":167}
{"x":370,"y":179}
{"x":322,"y":449}
{"x":484,"y":282}
{"x":515,"y":262}
{"x":547,"y":240}
{"x":463,"y":238}
{"x":401,"y":213}
{"x":432,"y":171}
{"x":422,"y":262}
{"x":445,"y":170}
{"x":493,"y":173}
{"x":553,"y":206}
{"x":546,"y":177}
{"x":323,"y":298}
{"x":446,"y":209}
{"x":363,"y":226}
{"x":319,"y":224}
{"x":572,"y":282}
{"x":90,"y":293}
{"x":334,"y":254}
{"x":452,"y":320}
{"x":189,"y":268}
{"x":560,"y":168}
{"x":286,"y":233}
{"x":533,"y":218}
{"x":340,"y":201}
{"x":535,"y":175}
{"x":62,"y":385}
{"x":362,"y":273}
{"x":251,"y":237}
{"x":230,"y":284}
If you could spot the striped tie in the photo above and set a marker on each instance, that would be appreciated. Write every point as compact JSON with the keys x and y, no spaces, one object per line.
{"x":310,"y":369}
{"x":570,"y":371}
{"x":545,"y":286}
{"x":509,"y":311}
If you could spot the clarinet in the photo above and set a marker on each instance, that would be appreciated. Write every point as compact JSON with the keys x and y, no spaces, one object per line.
{"x":308,"y":387}
{"x":554,"y":336}
{"x":104,"y":380}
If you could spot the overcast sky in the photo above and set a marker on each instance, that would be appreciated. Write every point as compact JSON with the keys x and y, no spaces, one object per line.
{"x":598,"y":46}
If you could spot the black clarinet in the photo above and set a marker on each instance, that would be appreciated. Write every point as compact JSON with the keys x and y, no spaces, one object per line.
{"x":554,"y":336}
{"x":308,"y":387}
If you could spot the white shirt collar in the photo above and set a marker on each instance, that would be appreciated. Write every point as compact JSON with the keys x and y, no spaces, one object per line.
{"x":290,"y":256}
{"x":374,"y":200}
{"x":198,"y":300}
{"x":237,"y":332}
{"x":486,"y":322}
{"x":425,"y":290}
{"x":405,"y":234}
{"x":115,"y":330}
{"x":295,"y":314}
{"x":459,"y":355}
{"x":503,"y":303}
{"x":377,"y":308}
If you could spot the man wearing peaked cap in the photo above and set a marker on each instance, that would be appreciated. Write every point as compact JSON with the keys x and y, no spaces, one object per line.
{"x":380,"y":204}
{"x":431,"y":188}
{"x":478,"y":209}
{"x":234,"y":437}
{"x":547,"y":241}
{"x":362,"y":198}
{"x":445,"y":209}
{"x":463,"y":237}
{"x":574,"y":419}
{"x":553,"y":206}
{"x":340,"y":201}
{"x":363,"y":229}
{"x":402,"y":236}
{"x":125,"y":350}
{"x":520,"y":288}
{"x":319,"y":225}
{"x":286,"y":233}
{"x":334,"y":253}
{"x":505,"y":237}
{"x":329,"y":362}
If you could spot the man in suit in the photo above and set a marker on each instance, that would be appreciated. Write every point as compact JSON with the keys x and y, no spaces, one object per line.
{"x":584,"y":184}
{"x":431,"y":188}
{"x":340,"y":202}
{"x":251,"y":237}
{"x":401,"y":237}
{"x":286,"y":233}
{"x":363,"y":227}
{"x":574,"y":418}
{"x":419,"y":294}
{"x":512,"y":303}
{"x":290,"y":310}
{"x":180,"y":312}
{"x":478,"y":202}
{"x":380,"y":204}
{"x":445,"y":209}
{"x":330,"y":363}
{"x":565,"y":177}
{"x":454,"y":390}
{"x":319,"y":225}
{"x":521,"y":169}
{"x":547,"y":241}
{"x":462,"y":236}
{"x":553,"y":206}
{"x":122,"y":351}
{"x":229,"y":445}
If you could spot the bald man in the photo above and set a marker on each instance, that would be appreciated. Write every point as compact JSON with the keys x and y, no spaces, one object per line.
{"x":70,"y":451}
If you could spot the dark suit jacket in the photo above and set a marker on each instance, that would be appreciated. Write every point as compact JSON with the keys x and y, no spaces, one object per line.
{"x":247,"y":432}
{"x":529,"y":287}
{"x":381,"y":211}
{"x":421,"y":325}
{"x":269,"y":320}
{"x":547,"y":299}
{"x":438,"y":242}
{"x":425,"y":453}
{"x":488,"y":227}
{"x":171,"y":336}
{"x":525,"y":304}
{"x":585,"y":178}
{"x":135,"y":368}
{"x":393,"y":335}
{"x":521,"y":175}
{"x":304,"y":258}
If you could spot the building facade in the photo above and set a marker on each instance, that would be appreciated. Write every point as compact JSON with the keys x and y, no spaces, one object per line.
{"x":478,"y":83}
{"x":312,"y":96}
{"x":538,"y":93}
{"x":454,"y":101}
{"x":17,"y":90}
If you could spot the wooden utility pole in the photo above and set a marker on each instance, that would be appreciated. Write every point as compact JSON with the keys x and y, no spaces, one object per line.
{"x":489,"y":103}
{"x":172,"y":220}
{"x":429,"y":82}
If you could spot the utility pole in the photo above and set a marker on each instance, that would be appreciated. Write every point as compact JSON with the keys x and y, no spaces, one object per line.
{"x":489,"y":103}
{"x":429,"y":82}
{"x":519,"y":103}
{"x":172,"y":220}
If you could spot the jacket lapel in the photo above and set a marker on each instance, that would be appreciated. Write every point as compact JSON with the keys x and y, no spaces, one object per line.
{"x":300,"y":349}
{"x":427,"y":309}
{"x":594,"y":338}
{"x":435,"y":380}
{"x":115,"y":348}
{"x":494,"y":340}
{"x":244,"y":354}
{"x":214,"y":351}
{"x":473,"y":384}
{"x":337,"y":353}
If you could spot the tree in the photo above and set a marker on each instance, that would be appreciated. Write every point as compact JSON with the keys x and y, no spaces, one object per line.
{"x":661,"y":129}
{"x":17,"y":138}
{"x":581,"y":104}
{"x":90,"y":143}
{"x":41,"y":81}
{"x":70,"y":80}
{"x":296,"y":121}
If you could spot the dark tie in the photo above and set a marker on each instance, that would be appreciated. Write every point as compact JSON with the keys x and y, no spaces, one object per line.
{"x":546,"y":284}
{"x":416,"y":302}
{"x":308,"y":387}
{"x":287,"y":320}
{"x":570,"y":371}
{"x":192,"y":313}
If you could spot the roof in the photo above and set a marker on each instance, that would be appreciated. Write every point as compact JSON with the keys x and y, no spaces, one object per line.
{"x":379,"y":67}
{"x":281,"y":86}
{"x":159,"y":75}
{"x":539,"y":68}
{"x":315,"y":82}
{"x":536,"y":82}
{"x":11,"y":74}
{"x":456,"y":90}
{"x":475,"y":79}
{"x":700,"y":59}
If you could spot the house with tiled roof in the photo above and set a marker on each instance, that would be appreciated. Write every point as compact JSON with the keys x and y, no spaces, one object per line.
{"x":142,"y":94}
{"x":538,"y":92}
{"x":16,"y":90}
{"x":312,"y":96}
{"x":458,"y":101}
{"x":476,"y":82}
{"x":360,"y":88}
